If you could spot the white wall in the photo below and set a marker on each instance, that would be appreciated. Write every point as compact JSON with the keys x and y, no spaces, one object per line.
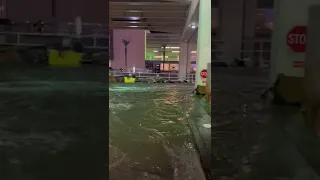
{"x":209,"y":76}
{"x":288,"y":13}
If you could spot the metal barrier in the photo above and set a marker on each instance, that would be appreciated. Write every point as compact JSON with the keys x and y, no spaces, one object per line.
{"x":253,"y":51}
{"x":40,"y":39}
{"x":172,"y":77}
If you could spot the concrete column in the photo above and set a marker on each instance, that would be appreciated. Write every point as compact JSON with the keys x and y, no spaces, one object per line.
{"x":230,"y":32}
{"x":250,"y":15}
{"x":234,"y":14}
{"x":78,"y":26}
{"x":288,"y":14}
{"x":191,"y":47}
{"x":183,"y":60}
{"x":3,"y":38}
{"x":204,"y":40}
{"x":312,"y":64}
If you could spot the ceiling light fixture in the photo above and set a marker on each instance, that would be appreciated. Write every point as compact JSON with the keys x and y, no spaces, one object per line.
{"x":155,"y":51}
{"x":133,"y":26}
{"x":134,"y":18}
{"x":171,"y":47}
{"x":175,"y":51}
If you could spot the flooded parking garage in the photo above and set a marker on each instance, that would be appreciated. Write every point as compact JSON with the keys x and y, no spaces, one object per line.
{"x":54,"y":125}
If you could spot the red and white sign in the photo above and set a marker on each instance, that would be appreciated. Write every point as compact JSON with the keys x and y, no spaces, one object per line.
{"x":203,"y":73}
{"x":298,"y":64}
{"x":296,"y":39}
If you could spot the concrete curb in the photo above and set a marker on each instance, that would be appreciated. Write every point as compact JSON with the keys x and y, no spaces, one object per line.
{"x":202,"y":135}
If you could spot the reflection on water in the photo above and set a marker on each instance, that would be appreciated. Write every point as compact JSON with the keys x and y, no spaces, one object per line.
{"x":149,"y":137}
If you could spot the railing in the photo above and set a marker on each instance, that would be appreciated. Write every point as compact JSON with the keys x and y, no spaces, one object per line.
{"x":254,"y":51}
{"x":171,"y":77}
{"x":61,"y":27}
{"x":40,"y":39}
{"x":257,"y":50}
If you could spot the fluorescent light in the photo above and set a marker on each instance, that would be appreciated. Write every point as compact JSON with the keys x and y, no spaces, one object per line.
{"x":133,"y":26}
{"x":193,"y":52}
{"x":134,"y":18}
{"x":175,"y":51}
{"x":155,"y":51}
{"x":171,"y":47}
{"x":157,"y":57}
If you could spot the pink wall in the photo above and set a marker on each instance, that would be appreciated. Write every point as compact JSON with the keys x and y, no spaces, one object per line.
{"x":66,"y":10}
{"x":136,"y":48}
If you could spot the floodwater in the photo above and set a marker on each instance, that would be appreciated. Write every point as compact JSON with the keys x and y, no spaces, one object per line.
{"x":240,"y":120}
{"x":253,"y":139}
{"x":149,"y":138}
{"x":53,"y":124}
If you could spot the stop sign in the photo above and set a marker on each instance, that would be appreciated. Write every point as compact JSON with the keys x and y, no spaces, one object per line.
{"x":296,"y":39}
{"x":203,"y":73}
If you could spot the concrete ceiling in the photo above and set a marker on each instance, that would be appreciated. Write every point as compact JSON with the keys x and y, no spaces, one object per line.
{"x":169,"y":21}
{"x":165,"y":19}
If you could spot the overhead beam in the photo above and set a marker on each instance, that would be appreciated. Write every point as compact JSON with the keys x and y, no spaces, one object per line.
{"x":163,"y":42}
{"x":144,"y":26}
{"x":112,"y":3}
{"x":156,"y":39}
{"x":190,"y":18}
{"x":161,"y":34}
{"x":150,"y":11}
{"x":162,"y":29}
{"x":155,"y":45}
{"x":151,"y":17}
{"x":148,"y":22}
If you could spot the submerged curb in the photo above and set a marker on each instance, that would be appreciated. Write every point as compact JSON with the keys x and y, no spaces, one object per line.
{"x":197,"y":122}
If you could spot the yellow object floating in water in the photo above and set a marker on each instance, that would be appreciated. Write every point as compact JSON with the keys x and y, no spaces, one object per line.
{"x":67,"y":58}
{"x":129,"y":80}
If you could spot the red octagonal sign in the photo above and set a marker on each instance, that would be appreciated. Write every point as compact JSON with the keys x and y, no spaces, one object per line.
{"x":296,"y":39}
{"x":203,"y":73}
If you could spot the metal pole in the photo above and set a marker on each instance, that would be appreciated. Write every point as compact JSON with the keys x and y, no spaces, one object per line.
{"x":54,"y":15}
{"x":244,"y":9}
{"x":53,"y":8}
{"x":163,"y":56}
{"x":188,"y":60}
